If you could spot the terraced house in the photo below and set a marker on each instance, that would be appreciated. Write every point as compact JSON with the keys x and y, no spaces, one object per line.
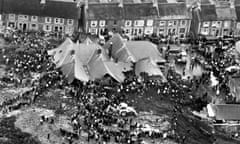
{"x":174,"y":19}
{"x":137,"y":17}
{"x":214,"y":20}
{"x":40,"y":15}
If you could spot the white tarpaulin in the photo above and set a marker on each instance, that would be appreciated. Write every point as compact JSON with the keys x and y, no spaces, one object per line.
{"x":98,"y":68}
{"x":148,"y":66}
{"x":58,"y":52}
{"x":86,"y":61}
{"x":132,"y":51}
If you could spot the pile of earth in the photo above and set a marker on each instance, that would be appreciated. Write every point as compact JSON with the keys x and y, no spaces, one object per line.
{"x":10,"y":134}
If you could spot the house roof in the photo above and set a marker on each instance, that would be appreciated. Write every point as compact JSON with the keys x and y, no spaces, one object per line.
{"x":33,"y":7}
{"x":237,"y":8}
{"x":226,"y":13}
{"x":133,"y":11}
{"x":227,"y":111}
{"x":237,"y":3}
{"x":104,"y":11}
{"x":208,"y":13}
{"x":173,"y":9}
{"x":205,"y":2}
{"x":162,"y":1}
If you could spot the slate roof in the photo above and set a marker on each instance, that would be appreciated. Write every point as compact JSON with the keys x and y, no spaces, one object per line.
{"x":205,"y":2}
{"x":227,"y":111}
{"x":33,"y":7}
{"x":104,"y":11}
{"x":237,"y":2}
{"x":208,"y":13}
{"x":162,"y":1}
{"x":226,"y":13}
{"x":134,"y":11}
{"x":173,"y":9}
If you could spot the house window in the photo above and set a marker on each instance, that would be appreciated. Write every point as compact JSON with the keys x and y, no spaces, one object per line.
{"x":139,"y":23}
{"x":162,"y":23}
{"x":12,"y":17}
{"x":175,"y":23}
{"x":182,"y":30}
{"x":127,"y":31}
{"x":161,"y":31}
{"x":70,"y":22}
{"x":34,"y":25}
{"x":61,"y":28}
{"x":114,"y":22}
{"x":94,"y":23}
{"x":182,"y":35}
{"x":206,"y":24}
{"x":227,"y":24}
{"x":219,"y":23}
{"x":170,"y":23}
{"x":238,"y":25}
{"x":225,"y":32}
{"x":174,"y":31}
{"x":213,"y":32}
{"x":183,"y":22}
{"x":214,"y":23}
{"x":61,"y":21}
{"x":205,"y":31}
{"x":34,"y":18}
{"x":169,"y":31}
{"x":56,"y":20}
{"x":102,"y":23}
{"x":47,"y":27}
{"x":48,"y":20}
{"x":149,"y":22}
{"x":93,"y":30}
{"x":128,"y":23}
{"x":20,"y":17}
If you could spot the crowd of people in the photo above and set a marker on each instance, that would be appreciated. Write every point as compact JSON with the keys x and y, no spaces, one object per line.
{"x":98,"y":101}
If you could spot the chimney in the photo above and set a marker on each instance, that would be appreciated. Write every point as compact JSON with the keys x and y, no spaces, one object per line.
{"x":86,"y":4}
{"x":155,"y":3}
{"x":42,"y":2}
{"x":232,"y":4}
{"x":120,"y":3}
{"x":198,"y":4}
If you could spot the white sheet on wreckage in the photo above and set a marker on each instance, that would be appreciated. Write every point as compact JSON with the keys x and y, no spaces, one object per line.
{"x":80,"y":72}
{"x":99,"y":67}
{"x":67,"y":57}
{"x":147,"y":66}
{"x":60,"y":50}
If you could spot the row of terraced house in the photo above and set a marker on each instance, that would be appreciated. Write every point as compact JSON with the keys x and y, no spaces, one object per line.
{"x":136,"y":18}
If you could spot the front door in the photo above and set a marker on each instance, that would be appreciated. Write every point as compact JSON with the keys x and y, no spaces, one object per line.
{"x":24,"y":28}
